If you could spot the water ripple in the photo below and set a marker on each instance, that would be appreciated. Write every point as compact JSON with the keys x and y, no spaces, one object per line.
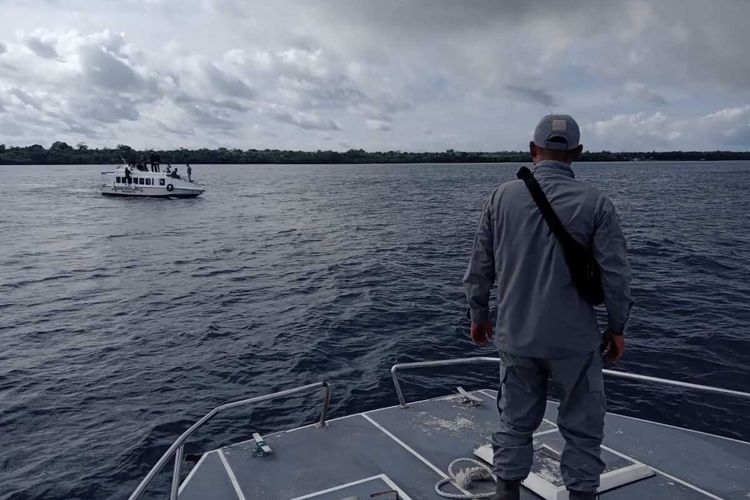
{"x":123,"y":321}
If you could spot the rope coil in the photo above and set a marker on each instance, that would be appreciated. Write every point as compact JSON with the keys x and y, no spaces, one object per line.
{"x":463,"y":479}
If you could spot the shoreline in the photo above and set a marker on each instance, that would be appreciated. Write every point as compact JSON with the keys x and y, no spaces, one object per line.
{"x":506,"y":162}
{"x":61,"y":153}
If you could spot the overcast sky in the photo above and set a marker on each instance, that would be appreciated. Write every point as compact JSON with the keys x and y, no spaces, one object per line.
{"x":374,"y":74}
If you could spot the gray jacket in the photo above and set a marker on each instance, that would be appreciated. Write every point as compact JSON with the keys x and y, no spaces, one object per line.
{"x":540,"y":313}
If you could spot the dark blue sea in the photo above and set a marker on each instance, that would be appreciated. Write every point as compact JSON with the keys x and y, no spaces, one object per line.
{"x":122,"y":321}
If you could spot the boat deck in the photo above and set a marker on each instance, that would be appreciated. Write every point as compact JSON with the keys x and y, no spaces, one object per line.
{"x":405,"y":451}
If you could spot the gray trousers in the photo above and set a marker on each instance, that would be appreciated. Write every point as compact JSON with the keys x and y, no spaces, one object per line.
{"x":523,"y":398}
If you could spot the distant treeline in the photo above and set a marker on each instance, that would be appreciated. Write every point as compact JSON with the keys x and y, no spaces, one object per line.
{"x":61,"y":153}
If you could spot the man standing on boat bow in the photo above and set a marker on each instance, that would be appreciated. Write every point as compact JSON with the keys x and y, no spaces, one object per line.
{"x":544,"y":325}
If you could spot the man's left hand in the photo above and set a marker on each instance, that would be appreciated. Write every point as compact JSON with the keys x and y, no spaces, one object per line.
{"x":614,"y":346}
{"x":481,"y":333}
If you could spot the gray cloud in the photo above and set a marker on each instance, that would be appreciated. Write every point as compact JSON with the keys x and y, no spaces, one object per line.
{"x":304,"y":120}
{"x":307,"y":78}
{"x":79,"y":128}
{"x":12,"y":129}
{"x":641,"y":92}
{"x":107,"y":70}
{"x":351,"y":67}
{"x":227,"y":84}
{"x":428,"y":18}
{"x":380,"y":125}
{"x":533,"y":94}
{"x":206,"y":113}
{"x":726,"y":128}
{"x":181,"y":131}
{"x":24,"y":97}
{"x":42,"y":48}
{"x":107,"y":110}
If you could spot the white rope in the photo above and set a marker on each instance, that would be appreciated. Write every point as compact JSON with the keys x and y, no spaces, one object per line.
{"x":464,"y":477}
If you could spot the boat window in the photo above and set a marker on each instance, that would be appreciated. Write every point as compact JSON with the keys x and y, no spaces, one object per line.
{"x":117,"y":179}
{"x":148,"y":181}
{"x":130,"y":180}
{"x":161,"y":182}
{"x":141,"y":180}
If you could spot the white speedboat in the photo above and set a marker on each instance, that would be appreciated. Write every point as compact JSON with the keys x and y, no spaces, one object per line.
{"x":131,"y":181}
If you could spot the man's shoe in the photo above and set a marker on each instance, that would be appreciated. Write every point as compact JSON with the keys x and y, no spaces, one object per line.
{"x":582,"y":495}
{"x":508,"y":490}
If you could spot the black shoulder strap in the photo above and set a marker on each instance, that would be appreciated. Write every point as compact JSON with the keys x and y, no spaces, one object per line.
{"x":543,"y":203}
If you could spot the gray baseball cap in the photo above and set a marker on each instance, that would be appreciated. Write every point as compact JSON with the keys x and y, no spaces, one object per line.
{"x":559,"y":132}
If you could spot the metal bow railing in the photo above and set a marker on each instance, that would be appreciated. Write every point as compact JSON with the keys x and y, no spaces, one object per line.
{"x":611,"y":373}
{"x":177,"y":448}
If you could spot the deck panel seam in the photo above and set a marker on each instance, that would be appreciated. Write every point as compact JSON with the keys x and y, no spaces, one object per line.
{"x":382,"y":477}
{"x":686,"y":429}
{"x":413,"y":452}
{"x":232,"y":477}
{"x":702,"y":433}
{"x":375,"y":410}
{"x":192,"y":472}
{"x":661,"y":472}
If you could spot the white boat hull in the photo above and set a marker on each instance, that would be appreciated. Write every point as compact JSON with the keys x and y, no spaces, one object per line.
{"x":150,"y":191}
{"x":147,"y":184}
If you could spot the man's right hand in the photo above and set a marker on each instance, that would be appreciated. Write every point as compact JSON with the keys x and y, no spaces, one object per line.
{"x":614,"y":346}
{"x":481,"y":333}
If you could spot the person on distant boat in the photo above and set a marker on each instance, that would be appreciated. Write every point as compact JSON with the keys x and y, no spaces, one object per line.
{"x":544,"y":325}
{"x":189,"y":172}
{"x":153,"y":161}
{"x":169,"y":168}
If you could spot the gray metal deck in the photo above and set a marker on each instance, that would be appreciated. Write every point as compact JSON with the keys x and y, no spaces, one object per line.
{"x":408,"y":450}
